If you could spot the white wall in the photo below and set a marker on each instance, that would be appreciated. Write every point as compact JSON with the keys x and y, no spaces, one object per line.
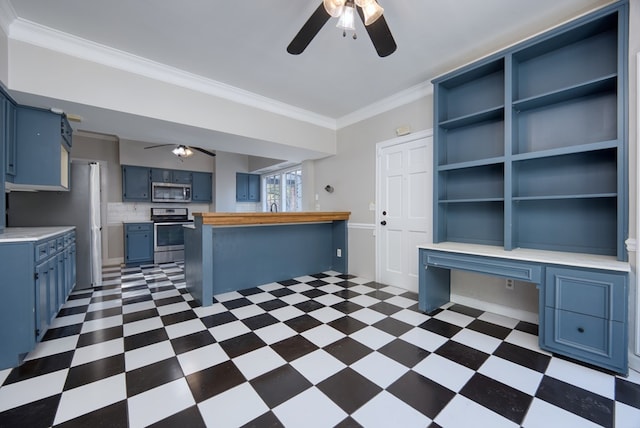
{"x":227,"y":164}
{"x":36,"y":70}
{"x":351,"y":172}
{"x":4,"y":55}
{"x":134,"y":153}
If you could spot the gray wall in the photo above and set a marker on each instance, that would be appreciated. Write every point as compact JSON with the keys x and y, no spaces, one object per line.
{"x":104,"y":148}
{"x":352,"y":172}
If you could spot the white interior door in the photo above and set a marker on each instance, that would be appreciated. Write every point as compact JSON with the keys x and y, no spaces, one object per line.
{"x":404,"y":208}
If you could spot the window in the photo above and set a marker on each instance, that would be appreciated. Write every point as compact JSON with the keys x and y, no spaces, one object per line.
{"x":283,"y":190}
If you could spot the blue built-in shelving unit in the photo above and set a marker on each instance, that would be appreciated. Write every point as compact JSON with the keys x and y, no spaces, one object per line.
{"x":531,"y":142}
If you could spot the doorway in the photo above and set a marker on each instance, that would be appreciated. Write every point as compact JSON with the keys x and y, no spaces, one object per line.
{"x":404,"y":189}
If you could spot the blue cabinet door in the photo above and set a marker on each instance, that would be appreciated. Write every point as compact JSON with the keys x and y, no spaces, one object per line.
{"x":138,"y":243}
{"x":160,"y":175}
{"x":247,"y":187}
{"x":52,"y":289}
{"x":201,"y":188}
{"x":585,"y":316}
{"x":41,"y":308}
{"x":136,"y":184}
{"x":10,"y":139}
{"x":242,"y":187}
{"x":41,"y":150}
{"x":170,"y":176}
{"x":181,"y":177}
{"x":254,"y":188}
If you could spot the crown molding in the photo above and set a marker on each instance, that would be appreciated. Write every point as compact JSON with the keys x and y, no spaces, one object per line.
{"x":39,"y":35}
{"x":7,"y":15}
{"x":58,"y":41}
{"x":399,"y":99}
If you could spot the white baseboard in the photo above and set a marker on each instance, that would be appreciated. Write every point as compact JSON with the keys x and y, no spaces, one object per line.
{"x":495,"y":308}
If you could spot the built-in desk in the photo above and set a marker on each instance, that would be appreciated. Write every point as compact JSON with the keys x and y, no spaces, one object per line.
{"x":583,"y":298}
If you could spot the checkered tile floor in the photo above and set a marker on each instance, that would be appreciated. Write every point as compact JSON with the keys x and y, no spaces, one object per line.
{"x":317,"y":351}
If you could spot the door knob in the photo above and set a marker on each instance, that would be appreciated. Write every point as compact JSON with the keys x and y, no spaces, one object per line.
{"x":383,"y":222}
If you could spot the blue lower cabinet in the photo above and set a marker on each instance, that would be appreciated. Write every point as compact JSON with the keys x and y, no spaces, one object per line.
{"x":582,"y":311}
{"x":41,"y":305}
{"x":585,"y":316}
{"x":35,"y":285}
{"x":138,"y":243}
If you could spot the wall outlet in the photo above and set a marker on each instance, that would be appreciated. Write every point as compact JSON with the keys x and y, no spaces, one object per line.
{"x":339,"y":252}
{"x":509,"y":284}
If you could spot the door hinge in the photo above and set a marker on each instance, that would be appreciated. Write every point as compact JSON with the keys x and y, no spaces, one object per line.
{"x":36,"y":275}
{"x":37,"y":332}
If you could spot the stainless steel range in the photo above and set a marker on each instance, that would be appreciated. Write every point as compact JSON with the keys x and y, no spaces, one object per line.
{"x":168,"y":237}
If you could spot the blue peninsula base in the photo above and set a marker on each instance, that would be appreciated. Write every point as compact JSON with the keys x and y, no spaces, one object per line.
{"x":235,"y":251}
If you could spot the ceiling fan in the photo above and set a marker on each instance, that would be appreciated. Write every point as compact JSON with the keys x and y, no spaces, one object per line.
{"x":370,"y":13}
{"x":183,"y":151}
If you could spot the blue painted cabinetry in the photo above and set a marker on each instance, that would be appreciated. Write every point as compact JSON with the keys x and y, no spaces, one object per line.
{"x":582,"y":311}
{"x":138,"y":243}
{"x":585,"y":315}
{"x":10,"y":138}
{"x":530,"y":144}
{"x":38,"y":275}
{"x":202,"y":187}
{"x":43,"y":143}
{"x":136,"y":184}
{"x":170,"y":176}
{"x":247,"y":187}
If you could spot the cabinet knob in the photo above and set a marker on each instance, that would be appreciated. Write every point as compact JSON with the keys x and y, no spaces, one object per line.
{"x":580,"y":329}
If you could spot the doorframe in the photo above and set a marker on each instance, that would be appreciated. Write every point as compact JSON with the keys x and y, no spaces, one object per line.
{"x":379,"y":147}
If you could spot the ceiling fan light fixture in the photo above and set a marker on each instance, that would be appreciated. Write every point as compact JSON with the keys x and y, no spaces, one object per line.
{"x":182,"y":151}
{"x":371,"y":10}
{"x":334,"y":7}
{"x":347,"y":19}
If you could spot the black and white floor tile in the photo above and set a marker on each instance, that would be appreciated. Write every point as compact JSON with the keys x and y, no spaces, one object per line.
{"x":316,"y":351}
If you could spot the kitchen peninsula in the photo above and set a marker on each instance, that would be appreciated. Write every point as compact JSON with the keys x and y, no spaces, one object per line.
{"x":235,"y":251}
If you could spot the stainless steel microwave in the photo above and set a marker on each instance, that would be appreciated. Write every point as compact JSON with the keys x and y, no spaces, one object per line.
{"x":170,"y":192}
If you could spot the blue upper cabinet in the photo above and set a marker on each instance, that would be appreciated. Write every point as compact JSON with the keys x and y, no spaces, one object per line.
{"x":530,"y":144}
{"x":136,"y":183}
{"x":247,"y":187}
{"x":43,"y":143}
{"x":10,"y":139}
{"x":171,"y":176}
{"x":201,"y":188}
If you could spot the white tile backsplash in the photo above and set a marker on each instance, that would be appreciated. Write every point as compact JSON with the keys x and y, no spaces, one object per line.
{"x":131,"y":212}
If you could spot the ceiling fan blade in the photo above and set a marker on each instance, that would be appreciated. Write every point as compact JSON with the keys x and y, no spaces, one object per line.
{"x":308,"y":31}
{"x":380,"y":35}
{"x":159,"y":145}
{"x":206,"y":152}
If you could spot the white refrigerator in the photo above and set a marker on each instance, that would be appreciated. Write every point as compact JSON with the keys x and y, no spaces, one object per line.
{"x":79,"y":207}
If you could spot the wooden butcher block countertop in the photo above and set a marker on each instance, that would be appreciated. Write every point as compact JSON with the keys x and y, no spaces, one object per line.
{"x":233,"y":219}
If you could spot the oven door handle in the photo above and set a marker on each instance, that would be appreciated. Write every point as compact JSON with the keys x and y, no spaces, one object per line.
{"x":171,"y":223}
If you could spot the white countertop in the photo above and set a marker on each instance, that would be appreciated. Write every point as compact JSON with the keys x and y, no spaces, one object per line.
{"x":540,"y":256}
{"x":25,"y":234}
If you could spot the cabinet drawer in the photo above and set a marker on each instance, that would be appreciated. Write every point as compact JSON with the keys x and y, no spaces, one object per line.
{"x":486,"y":265}
{"x":593,"y":339}
{"x":60,"y":243}
{"x":53,"y":246}
{"x":134,"y":227}
{"x":41,"y":251}
{"x":598,"y":294}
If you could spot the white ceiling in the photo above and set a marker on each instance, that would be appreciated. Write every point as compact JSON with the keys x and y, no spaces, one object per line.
{"x":243,"y":43}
